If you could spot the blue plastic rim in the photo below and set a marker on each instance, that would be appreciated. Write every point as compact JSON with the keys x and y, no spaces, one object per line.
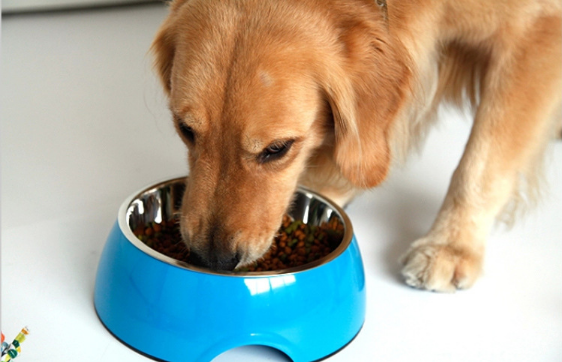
{"x":173,"y":312}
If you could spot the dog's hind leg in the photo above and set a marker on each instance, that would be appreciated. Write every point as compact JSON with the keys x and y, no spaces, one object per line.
{"x":520,"y":95}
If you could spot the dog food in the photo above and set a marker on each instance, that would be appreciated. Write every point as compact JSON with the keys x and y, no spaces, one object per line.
{"x":296,"y":244}
{"x":165,"y":238}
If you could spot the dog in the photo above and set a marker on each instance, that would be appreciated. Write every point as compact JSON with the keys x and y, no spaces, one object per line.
{"x":268,"y":94}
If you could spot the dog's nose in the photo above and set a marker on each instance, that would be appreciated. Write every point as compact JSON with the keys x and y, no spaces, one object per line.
{"x":225,"y":262}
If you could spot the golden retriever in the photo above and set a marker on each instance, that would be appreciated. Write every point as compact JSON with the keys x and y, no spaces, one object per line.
{"x":267,"y":94}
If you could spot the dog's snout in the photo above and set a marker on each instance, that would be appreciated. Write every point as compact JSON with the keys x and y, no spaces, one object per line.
{"x":214,"y":261}
{"x":227,"y":263}
{"x":214,"y":248}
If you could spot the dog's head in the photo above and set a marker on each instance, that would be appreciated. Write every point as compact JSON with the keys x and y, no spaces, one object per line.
{"x":255,"y":88}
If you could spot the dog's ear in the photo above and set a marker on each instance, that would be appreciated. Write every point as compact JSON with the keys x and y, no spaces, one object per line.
{"x":366,"y":91}
{"x":163,"y":46}
{"x":163,"y":49}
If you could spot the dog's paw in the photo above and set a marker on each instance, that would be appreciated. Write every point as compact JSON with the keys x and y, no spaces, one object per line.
{"x":440,"y":267}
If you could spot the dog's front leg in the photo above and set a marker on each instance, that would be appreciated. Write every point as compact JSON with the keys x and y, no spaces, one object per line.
{"x":521,"y":93}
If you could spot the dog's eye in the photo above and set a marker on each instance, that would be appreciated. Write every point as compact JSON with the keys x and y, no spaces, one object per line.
{"x":275,"y":151}
{"x":187,"y":132}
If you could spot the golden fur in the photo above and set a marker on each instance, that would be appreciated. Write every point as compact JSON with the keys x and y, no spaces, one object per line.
{"x":348,"y":87}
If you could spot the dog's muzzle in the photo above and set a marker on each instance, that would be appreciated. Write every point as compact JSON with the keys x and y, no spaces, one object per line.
{"x":215,"y":261}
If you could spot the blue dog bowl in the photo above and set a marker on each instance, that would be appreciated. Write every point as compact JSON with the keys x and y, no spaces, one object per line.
{"x":173,"y":311}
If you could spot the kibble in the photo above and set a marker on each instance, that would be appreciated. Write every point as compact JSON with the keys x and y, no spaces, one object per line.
{"x":165,"y":238}
{"x":296,"y":244}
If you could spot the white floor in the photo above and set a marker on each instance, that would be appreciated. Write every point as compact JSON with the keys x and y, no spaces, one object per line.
{"x":84,"y":124}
